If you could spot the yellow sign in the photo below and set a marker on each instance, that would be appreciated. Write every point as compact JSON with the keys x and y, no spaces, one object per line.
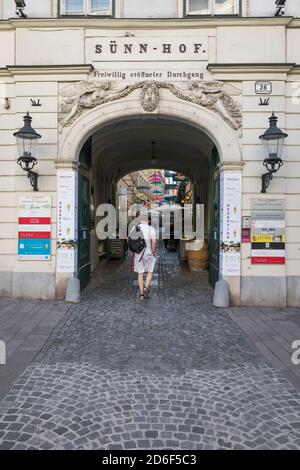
{"x":268,"y":238}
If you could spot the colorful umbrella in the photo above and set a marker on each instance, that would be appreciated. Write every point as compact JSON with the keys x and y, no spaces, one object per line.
{"x":155,"y":178}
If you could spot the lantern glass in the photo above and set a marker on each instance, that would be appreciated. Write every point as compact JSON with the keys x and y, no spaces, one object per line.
{"x":27,"y":145}
{"x":274,"y":147}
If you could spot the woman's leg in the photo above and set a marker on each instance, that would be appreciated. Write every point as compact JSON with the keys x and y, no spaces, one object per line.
{"x":141,"y":282}
{"x":149,"y":279}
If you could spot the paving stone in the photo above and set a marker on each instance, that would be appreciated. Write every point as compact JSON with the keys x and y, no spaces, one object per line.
{"x":172,"y":372}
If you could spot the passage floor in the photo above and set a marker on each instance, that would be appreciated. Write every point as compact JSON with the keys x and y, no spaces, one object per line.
{"x":170,"y":372}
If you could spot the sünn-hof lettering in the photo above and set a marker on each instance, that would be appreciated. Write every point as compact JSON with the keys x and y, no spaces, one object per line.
{"x":143,"y":48}
{"x":151,"y":49}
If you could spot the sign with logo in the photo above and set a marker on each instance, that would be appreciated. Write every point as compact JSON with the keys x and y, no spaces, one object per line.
{"x":34,"y":228}
{"x":230,"y":188}
{"x":268,"y":231}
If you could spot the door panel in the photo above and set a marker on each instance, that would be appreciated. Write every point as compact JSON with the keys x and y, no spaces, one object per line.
{"x":84,"y":197}
{"x":84,"y":265}
{"x":214,"y":245}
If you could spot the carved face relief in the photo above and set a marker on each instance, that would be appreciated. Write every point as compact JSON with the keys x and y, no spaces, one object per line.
{"x":150,"y":97}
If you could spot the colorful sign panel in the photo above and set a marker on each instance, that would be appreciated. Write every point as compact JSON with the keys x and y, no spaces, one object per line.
{"x":246,"y":229}
{"x":67,"y":231}
{"x":34,"y":228}
{"x":268,"y":231}
{"x":230,"y":189}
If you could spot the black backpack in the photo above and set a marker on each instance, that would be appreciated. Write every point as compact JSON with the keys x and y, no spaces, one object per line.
{"x":136,"y":241}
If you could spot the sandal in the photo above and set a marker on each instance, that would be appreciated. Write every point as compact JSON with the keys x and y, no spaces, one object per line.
{"x":146,"y":293}
{"x":142,"y":297}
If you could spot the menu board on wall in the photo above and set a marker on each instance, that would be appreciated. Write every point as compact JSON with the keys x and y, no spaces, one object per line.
{"x":268,"y":231}
{"x":66,"y":221}
{"x":230,"y":189}
{"x":34,"y":228}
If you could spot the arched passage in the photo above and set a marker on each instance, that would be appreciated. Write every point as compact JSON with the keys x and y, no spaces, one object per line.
{"x":120,"y":137}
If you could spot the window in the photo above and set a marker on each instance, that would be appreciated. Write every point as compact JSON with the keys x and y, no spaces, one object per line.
{"x":212,"y":7}
{"x":150,"y":8}
{"x":86,"y":7}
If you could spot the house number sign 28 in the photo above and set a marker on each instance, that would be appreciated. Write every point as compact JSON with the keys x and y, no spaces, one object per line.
{"x":263,"y":88}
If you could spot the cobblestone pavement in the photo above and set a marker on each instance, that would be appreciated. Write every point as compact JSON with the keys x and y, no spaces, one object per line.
{"x":171,"y":372}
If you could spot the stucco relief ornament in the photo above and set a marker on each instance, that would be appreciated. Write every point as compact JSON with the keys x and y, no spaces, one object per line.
{"x":211,"y":95}
{"x":150,"y":97}
{"x":77,"y":98}
{"x":80,"y":96}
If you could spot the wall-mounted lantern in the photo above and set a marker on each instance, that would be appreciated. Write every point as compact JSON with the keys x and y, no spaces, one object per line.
{"x":153,"y":158}
{"x":27,"y":140}
{"x":273,"y":140}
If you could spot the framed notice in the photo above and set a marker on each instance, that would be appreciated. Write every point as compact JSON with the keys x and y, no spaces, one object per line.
{"x":268,"y":231}
{"x":34,"y":228}
{"x":67,"y":232}
{"x":230,"y":256}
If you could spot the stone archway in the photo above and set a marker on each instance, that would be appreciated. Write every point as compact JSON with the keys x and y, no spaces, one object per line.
{"x":223,"y":133}
{"x":224,"y":137}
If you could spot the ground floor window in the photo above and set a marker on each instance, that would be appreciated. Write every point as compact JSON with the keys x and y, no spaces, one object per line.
{"x":212,"y":7}
{"x":86,"y":7}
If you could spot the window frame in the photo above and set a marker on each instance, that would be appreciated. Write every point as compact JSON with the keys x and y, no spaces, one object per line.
{"x":86,"y":13}
{"x":186,"y":13}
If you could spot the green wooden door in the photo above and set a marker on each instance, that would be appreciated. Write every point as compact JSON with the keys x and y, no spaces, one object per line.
{"x":214,"y":242}
{"x":84,"y":196}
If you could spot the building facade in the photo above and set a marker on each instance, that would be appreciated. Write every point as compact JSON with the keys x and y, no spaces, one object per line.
{"x":101,"y":80}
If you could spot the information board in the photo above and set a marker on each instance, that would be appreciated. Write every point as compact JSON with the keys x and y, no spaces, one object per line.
{"x":230,"y":189}
{"x":67,"y":231}
{"x":268,"y":231}
{"x":34,"y":228}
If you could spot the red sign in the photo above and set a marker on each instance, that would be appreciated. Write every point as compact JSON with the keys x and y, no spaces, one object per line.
{"x":246,"y":238}
{"x":34,"y":235}
{"x":34,"y":220}
{"x":268,"y":260}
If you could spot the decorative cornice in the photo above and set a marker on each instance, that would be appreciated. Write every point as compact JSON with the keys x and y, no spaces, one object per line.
{"x":126,"y":23}
{"x":251,"y":68}
{"x":295,"y":70}
{"x":14,"y":70}
{"x":66,"y":165}
{"x":231,"y":166}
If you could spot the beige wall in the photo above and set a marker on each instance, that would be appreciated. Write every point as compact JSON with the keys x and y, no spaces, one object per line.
{"x":46,"y":46}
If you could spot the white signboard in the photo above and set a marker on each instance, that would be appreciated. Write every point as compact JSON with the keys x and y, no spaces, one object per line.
{"x":230,"y":188}
{"x":66,"y":259}
{"x":66,"y":205}
{"x":66,"y":221}
{"x":140,"y":49}
{"x":34,"y":228}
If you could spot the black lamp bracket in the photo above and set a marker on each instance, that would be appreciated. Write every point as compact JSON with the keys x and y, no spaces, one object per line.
{"x":33,"y":178}
{"x":266,"y":179}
